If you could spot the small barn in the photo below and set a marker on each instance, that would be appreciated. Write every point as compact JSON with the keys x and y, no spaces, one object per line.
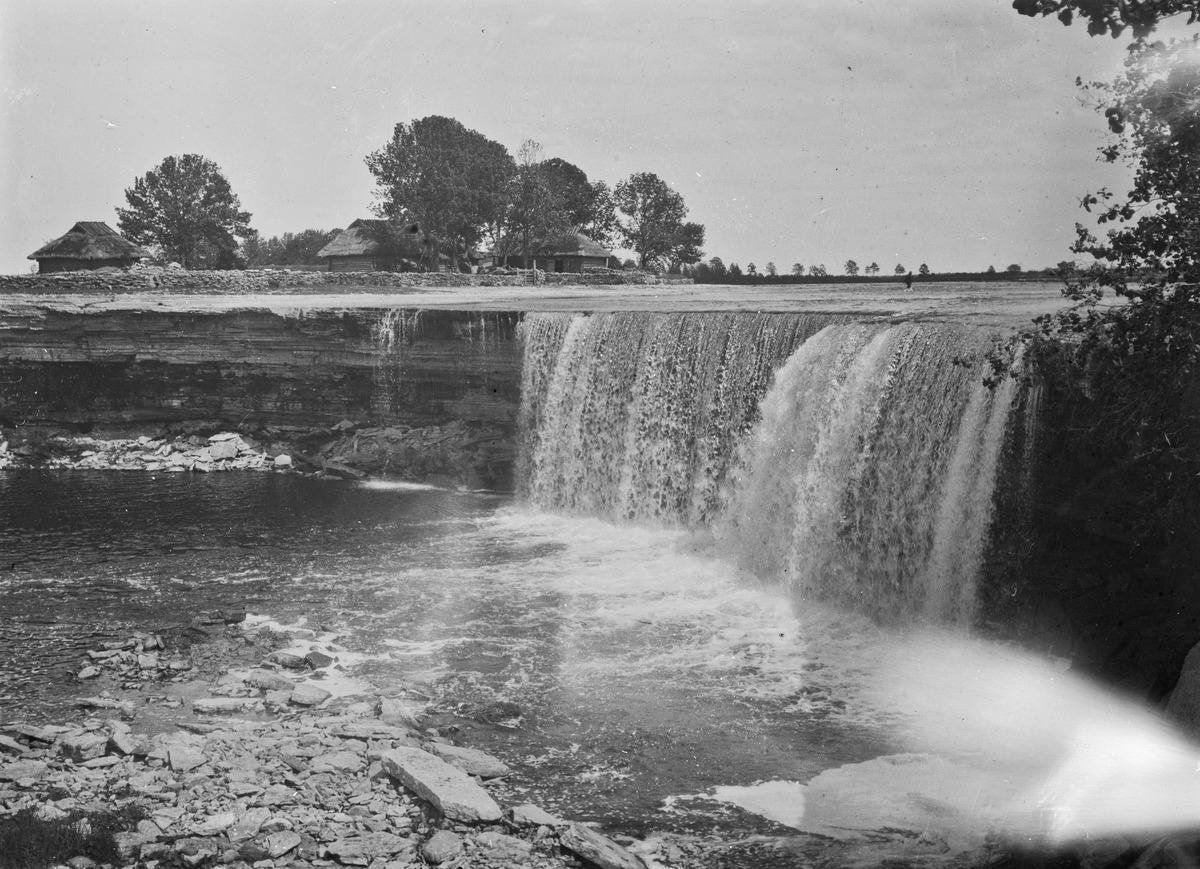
{"x":89,"y":244}
{"x":570,"y":252}
{"x":368,"y":245}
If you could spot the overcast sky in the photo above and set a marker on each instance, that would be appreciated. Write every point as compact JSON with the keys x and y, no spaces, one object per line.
{"x":812,"y":131}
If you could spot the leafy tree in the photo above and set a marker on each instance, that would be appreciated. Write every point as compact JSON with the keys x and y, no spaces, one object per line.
{"x":771,"y":270}
{"x":185,"y":207}
{"x":798,"y":269}
{"x":735,"y":271}
{"x":452,"y":181}
{"x":751,"y":270}
{"x":717,"y":267}
{"x":991,"y":270}
{"x":899,"y":269}
{"x":291,"y":248}
{"x":1112,"y":16}
{"x":851,"y":267}
{"x":588,"y":204}
{"x":1014,"y":268}
{"x":1129,"y":344}
{"x":818,"y":271}
{"x":536,"y":210}
{"x":923,"y":270}
{"x":873,"y":268}
{"x":650,"y":222}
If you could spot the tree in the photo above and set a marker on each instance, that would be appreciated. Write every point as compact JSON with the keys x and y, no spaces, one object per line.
{"x":186,"y":207}
{"x":536,"y":211}
{"x":771,"y":270}
{"x":899,"y":269}
{"x":1112,"y":16}
{"x":1129,"y":344}
{"x":751,"y":270}
{"x":818,"y":271}
{"x":650,"y":222}
{"x":588,"y":204}
{"x":453,"y":182}
{"x":735,"y":271}
{"x":991,"y":270}
{"x":291,"y":248}
{"x":851,"y":267}
{"x":923,"y":270}
{"x":1014,"y":268}
{"x":717,"y":266}
{"x":798,"y":269}
{"x":873,"y":268}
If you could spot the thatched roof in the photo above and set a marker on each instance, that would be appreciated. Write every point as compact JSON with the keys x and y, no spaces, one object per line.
{"x":359,"y":239}
{"x":90,"y":240}
{"x":571,"y":243}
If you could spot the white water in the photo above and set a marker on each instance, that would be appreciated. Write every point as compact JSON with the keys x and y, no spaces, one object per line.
{"x":853,"y":462}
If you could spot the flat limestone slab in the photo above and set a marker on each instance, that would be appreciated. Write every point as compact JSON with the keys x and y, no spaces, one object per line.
{"x":450,"y":789}
{"x":598,"y":849}
{"x":472,"y":761}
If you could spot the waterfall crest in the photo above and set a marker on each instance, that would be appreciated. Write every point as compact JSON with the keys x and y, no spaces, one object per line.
{"x":855,"y":462}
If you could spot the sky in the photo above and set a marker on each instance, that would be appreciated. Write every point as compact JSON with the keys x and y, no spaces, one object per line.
{"x":948,"y":132}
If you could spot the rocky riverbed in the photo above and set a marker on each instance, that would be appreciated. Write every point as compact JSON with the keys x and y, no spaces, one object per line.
{"x":264,"y":767}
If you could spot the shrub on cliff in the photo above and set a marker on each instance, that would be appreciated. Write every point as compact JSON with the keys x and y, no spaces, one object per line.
{"x":1128,"y":345}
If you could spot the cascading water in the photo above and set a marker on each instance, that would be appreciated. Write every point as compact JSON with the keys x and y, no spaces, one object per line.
{"x":862,"y":476}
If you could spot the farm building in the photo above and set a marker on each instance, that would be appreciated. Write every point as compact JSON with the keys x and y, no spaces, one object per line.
{"x":361,"y":247}
{"x":571,"y":252}
{"x":89,"y":244}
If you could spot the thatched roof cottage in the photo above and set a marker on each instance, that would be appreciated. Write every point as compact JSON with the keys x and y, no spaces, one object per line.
{"x":368,"y":245}
{"x":570,"y":252}
{"x":89,"y":244}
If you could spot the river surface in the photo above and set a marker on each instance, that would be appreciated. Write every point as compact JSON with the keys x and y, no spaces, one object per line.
{"x":614,"y":667}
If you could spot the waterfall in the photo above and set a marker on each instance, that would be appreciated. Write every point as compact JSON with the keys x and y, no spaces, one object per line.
{"x":854,"y":462}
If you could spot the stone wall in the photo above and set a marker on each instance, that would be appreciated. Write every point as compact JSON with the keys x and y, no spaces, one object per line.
{"x":141,"y":279}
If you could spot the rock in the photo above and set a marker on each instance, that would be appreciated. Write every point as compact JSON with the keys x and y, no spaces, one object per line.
{"x":87,"y":673}
{"x":124,"y":708}
{"x":221,"y":437}
{"x":361,"y":850}
{"x":268,"y":680}
{"x":282,"y":462}
{"x":450,"y":789}
{"x":184,"y":758}
{"x":338,"y":761}
{"x":23,"y":769}
{"x":37,"y":734}
{"x":305,"y":694}
{"x":398,"y":712}
{"x":276,"y":795}
{"x":128,"y":745}
{"x":317,"y":660}
{"x":287,"y":659}
{"x":278,"y":844}
{"x":101,"y":762}
{"x":470,"y":760}
{"x":529,"y":815}
{"x":222,"y":705}
{"x":592,"y":847}
{"x":500,"y":848}
{"x":8,"y":745}
{"x":147,"y":662}
{"x":224,"y":449}
{"x":214,"y":824}
{"x":83,"y":746}
{"x":441,"y":846}
{"x":248,"y":824}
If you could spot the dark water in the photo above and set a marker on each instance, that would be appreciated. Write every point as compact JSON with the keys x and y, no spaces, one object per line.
{"x":614,"y":667}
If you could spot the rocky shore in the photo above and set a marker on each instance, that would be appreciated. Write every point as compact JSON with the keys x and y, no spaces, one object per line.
{"x":455,"y":454}
{"x":265,"y":768}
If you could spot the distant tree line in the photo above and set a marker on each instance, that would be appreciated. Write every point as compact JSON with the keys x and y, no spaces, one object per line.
{"x":715,"y":271}
{"x":462,"y":189}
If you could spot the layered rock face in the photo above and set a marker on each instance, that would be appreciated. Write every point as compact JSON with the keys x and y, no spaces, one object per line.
{"x":130,"y":372}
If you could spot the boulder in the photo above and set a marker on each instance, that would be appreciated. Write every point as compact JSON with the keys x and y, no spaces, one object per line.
{"x":363,"y":849}
{"x":500,"y":848}
{"x":398,"y":713}
{"x":306,"y":694}
{"x":338,"y":761}
{"x":317,"y":660}
{"x":268,"y":680}
{"x":452,"y":791}
{"x":222,"y":705}
{"x":441,"y":846}
{"x":470,"y":760}
{"x":184,"y":758}
{"x":592,"y":847}
{"x":529,"y":815}
{"x":23,"y":769}
{"x":8,"y":745}
{"x":83,"y":746}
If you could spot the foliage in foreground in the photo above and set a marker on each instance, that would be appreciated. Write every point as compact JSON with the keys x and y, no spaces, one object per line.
{"x":29,"y":842}
{"x":1127,"y":347}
